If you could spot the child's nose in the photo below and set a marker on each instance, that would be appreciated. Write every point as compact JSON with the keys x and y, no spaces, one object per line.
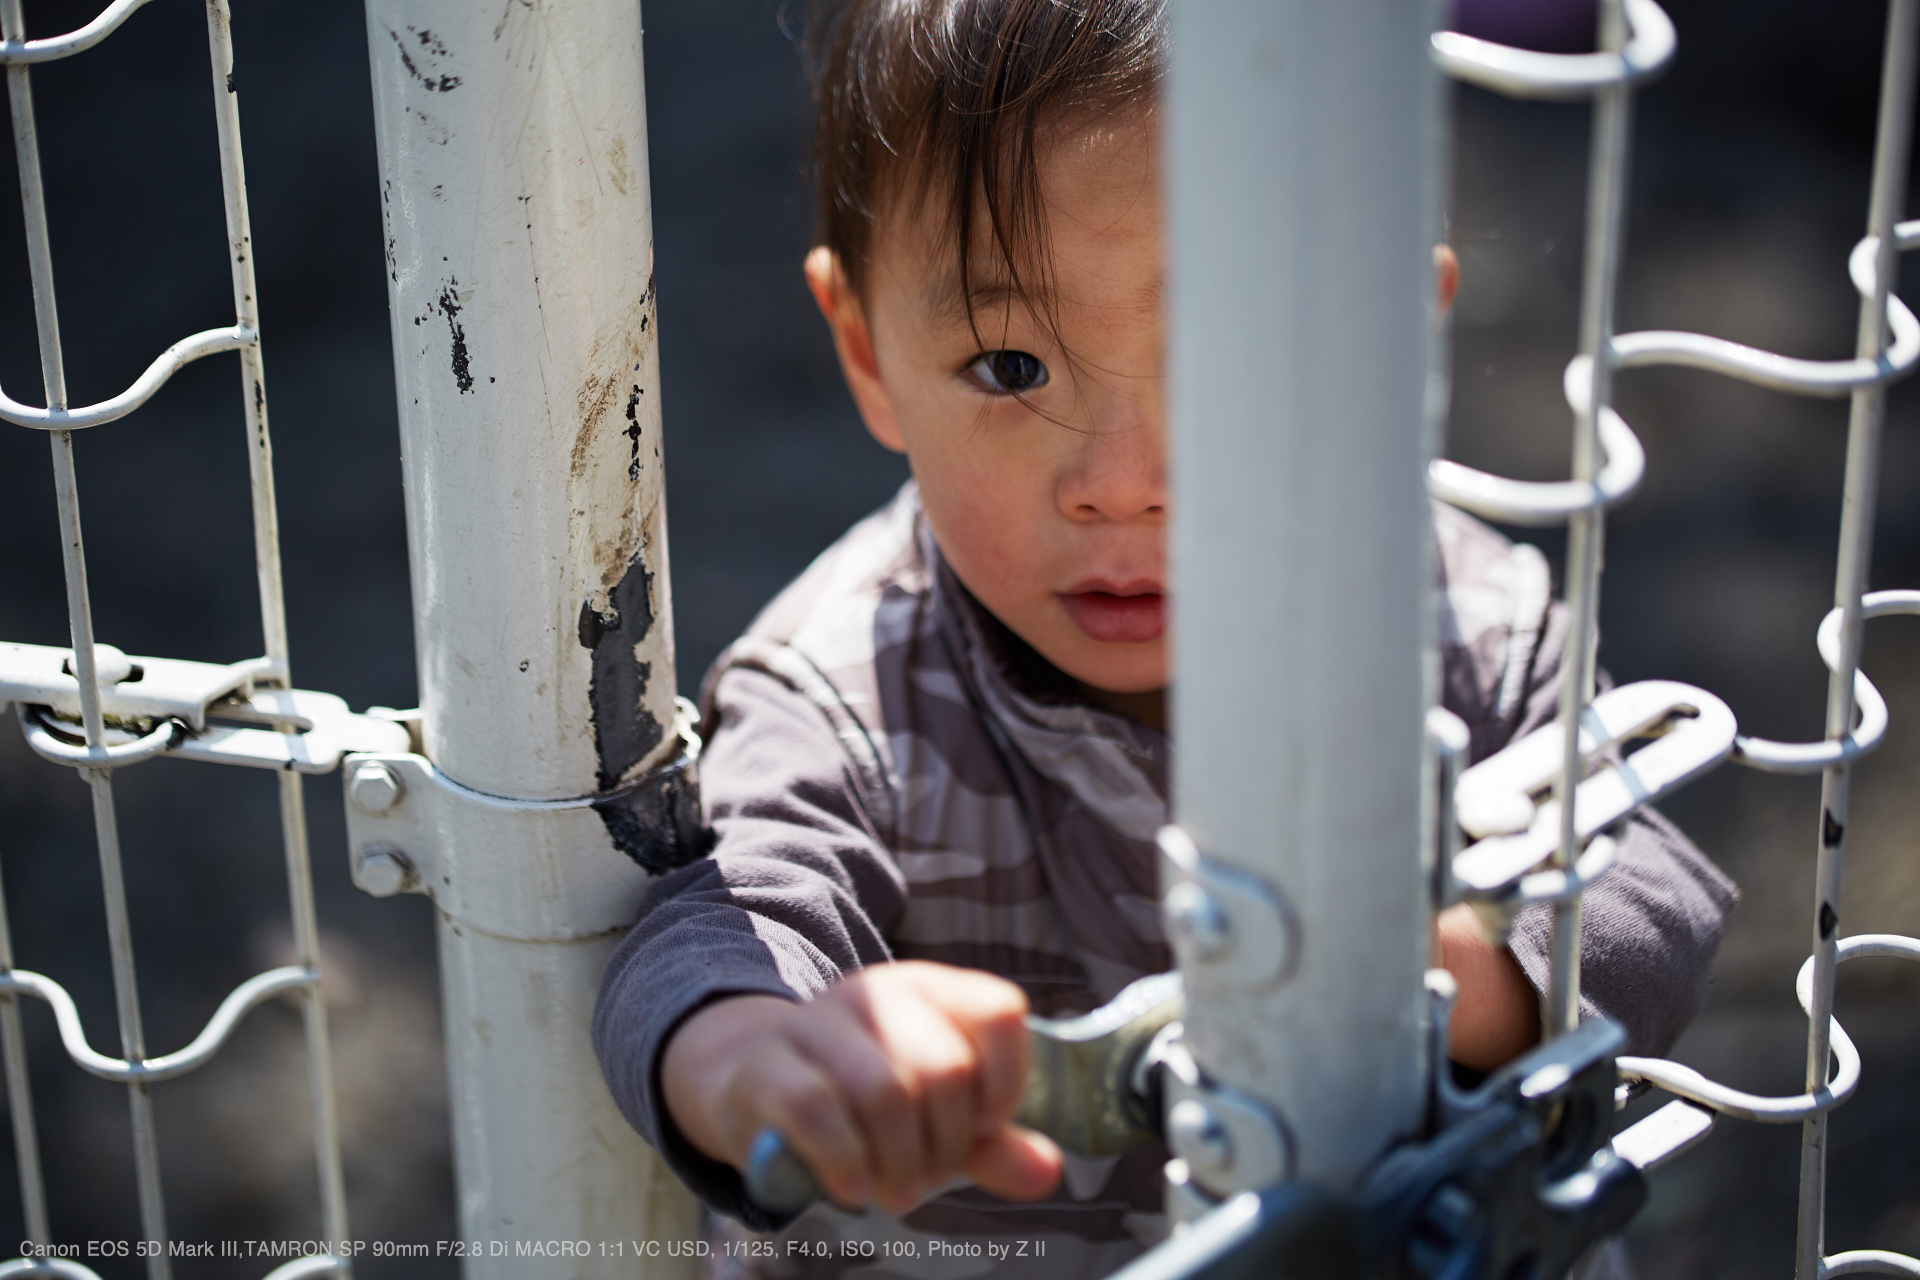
{"x":1119,"y":473}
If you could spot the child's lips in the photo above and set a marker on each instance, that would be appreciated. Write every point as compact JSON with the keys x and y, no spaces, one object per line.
{"x":1112,"y":618}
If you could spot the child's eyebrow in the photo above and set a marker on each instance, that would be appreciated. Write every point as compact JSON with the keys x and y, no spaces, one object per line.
{"x":947,"y":301}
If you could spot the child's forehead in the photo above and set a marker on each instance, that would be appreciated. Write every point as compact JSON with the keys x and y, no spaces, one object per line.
{"x":1096,"y":225}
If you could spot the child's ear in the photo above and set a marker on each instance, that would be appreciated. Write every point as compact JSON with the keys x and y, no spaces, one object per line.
{"x":853,"y":341}
{"x":1446,"y":278}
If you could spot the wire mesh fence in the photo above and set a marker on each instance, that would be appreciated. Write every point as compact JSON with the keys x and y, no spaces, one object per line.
{"x":1598,"y":430}
{"x":1506,"y":865}
{"x":95,"y":709}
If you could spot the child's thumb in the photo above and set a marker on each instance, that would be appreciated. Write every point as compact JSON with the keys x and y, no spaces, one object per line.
{"x":1015,"y":1164}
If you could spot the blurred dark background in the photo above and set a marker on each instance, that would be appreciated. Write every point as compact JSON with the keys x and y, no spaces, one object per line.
{"x":1749,"y":189}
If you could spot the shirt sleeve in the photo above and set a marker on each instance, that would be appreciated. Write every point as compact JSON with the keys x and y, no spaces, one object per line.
{"x":799,"y":890}
{"x":1650,"y":927}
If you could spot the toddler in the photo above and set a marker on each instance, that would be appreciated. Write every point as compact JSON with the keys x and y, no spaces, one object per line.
{"x":936,"y":762}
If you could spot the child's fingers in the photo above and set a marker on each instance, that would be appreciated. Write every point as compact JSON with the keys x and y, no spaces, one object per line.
{"x":881,"y":1097}
{"x":1016,"y":1164}
{"x":923,"y":1042}
{"x":925,"y":1059}
{"x":991,"y":1012}
{"x":791,"y":1093}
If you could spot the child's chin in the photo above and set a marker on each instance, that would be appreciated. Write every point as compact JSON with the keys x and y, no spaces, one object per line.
{"x":1114,"y":668}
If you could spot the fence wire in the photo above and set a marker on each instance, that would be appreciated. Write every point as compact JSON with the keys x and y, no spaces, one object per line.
{"x":97,"y":710}
{"x":81,"y":707}
{"x":1501,"y":869}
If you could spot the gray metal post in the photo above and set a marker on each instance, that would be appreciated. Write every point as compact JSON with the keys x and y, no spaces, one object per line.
{"x":513,"y":159}
{"x":1303,"y":146}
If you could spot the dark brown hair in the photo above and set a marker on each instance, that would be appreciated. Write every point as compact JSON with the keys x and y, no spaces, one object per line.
{"x":949,"y":101}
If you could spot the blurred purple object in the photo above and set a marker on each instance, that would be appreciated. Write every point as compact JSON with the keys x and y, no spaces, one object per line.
{"x":1552,"y":26}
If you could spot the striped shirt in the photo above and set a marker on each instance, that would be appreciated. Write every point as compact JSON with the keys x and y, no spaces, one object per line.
{"x":892,"y":774}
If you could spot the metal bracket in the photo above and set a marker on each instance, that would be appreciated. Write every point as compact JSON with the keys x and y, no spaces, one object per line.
{"x":1093,"y":1085}
{"x":131,"y":689}
{"x":227,"y":714}
{"x":1448,"y":740}
{"x":1503,"y":801}
{"x":1521,"y":1181}
{"x":1226,"y":1141}
{"x":1090,"y":1080}
{"x":1674,"y":1129}
{"x":412,"y":829}
{"x":1222,"y":921}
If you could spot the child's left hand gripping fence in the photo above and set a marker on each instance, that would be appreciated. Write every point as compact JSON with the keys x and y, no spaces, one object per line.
{"x":97,"y":710}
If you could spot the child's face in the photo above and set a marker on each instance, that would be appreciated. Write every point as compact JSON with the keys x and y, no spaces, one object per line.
{"x":1052,"y":506}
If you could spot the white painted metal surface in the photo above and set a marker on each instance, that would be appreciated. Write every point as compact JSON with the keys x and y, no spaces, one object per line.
{"x":1674,"y":1129}
{"x":513,"y":165}
{"x":1303,"y":144}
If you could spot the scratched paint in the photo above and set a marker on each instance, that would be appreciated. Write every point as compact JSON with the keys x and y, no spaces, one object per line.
{"x":658,"y":824}
{"x":624,"y":730}
{"x":429,"y":47}
{"x":633,"y":425}
{"x":448,"y":304}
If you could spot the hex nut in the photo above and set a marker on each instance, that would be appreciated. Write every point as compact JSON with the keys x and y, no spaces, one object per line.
{"x":384,"y":872}
{"x":374,"y":789}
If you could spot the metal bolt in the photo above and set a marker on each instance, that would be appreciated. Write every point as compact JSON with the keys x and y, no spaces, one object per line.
{"x":1196,"y":921}
{"x":1196,"y":1135}
{"x":384,"y":872}
{"x":374,"y":789}
{"x":110,"y":666}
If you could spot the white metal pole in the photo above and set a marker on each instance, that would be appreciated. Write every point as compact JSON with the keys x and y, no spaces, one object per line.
{"x":1303,"y":146}
{"x":513,"y":161}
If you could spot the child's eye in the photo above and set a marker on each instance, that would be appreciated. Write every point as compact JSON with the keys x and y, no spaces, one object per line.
{"x":1007,"y":372}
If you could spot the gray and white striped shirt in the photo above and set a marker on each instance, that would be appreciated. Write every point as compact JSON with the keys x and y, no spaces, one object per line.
{"x":892,"y":774}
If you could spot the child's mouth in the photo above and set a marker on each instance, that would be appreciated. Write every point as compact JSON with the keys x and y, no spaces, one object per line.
{"x":1111,"y":618}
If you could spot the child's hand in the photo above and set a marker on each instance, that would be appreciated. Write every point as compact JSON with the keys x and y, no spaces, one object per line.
{"x":888,"y":1084}
{"x":1497,"y":1016}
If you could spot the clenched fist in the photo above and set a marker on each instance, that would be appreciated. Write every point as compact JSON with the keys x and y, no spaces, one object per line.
{"x":888,"y":1084}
